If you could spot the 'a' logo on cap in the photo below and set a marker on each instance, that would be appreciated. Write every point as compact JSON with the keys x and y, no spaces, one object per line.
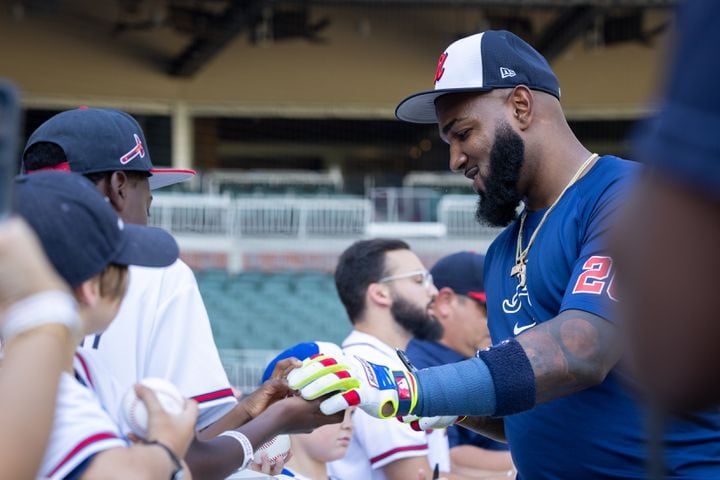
{"x":138,"y":150}
{"x":441,"y":67}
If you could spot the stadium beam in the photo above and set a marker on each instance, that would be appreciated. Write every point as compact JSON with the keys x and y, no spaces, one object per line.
{"x":567,"y":26}
{"x":219,"y":32}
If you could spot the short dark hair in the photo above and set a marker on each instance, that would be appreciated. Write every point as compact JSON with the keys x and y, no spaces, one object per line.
{"x":360,"y":265}
{"x":43,"y":155}
{"x":47,"y":155}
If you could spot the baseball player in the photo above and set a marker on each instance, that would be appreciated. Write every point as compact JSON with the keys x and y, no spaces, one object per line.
{"x":550,"y":383}
{"x":460,"y":307}
{"x":91,"y":247}
{"x":386,"y":291}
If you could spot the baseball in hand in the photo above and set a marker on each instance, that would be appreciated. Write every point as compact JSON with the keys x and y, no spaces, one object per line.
{"x":276,"y":449}
{"x":133,"y":409}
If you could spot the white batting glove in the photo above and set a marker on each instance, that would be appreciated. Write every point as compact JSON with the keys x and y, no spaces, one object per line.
{"x":376,"y":389}
{"x":430,"y":423}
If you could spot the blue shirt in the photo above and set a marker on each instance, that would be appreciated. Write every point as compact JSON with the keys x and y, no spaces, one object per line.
{"x":424,"y":354}
{"x":596,"y":433}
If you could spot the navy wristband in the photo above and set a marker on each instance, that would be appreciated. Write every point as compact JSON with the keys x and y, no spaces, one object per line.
{"x":512,"y":376}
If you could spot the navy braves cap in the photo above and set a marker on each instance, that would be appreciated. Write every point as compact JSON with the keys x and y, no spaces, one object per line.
{"x":103,"y":140}
{"x":79,"y":230}
{"x":301,"y":351}
{"x":479,"y":63}
{"x":462,"y":272}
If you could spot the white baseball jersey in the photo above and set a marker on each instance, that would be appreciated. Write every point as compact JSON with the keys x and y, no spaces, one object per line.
{"x":81,"y":429}
{"x":375,"y":442}
{"x":162,"y":330}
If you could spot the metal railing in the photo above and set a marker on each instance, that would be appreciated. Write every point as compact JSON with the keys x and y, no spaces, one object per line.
{"x":291,"y":217}
{"x":244,"y":368}
{"x":246,"y":217}
{"x":457,"y":213}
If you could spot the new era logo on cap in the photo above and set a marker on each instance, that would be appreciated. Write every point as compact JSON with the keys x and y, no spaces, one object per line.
{"x":506,"y":72}
{"x":478,"y":63}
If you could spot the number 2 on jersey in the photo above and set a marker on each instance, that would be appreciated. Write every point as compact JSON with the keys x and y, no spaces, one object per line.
{"x":593,"y":279}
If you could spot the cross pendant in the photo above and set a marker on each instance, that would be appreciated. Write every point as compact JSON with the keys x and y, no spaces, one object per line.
{"x":518,"y":270}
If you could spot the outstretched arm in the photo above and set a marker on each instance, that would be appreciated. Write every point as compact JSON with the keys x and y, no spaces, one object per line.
{"x":573,"y":351}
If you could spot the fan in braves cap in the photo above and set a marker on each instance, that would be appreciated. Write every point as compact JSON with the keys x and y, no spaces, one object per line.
{"x":91,"y":248}
{"x":162,"y":328}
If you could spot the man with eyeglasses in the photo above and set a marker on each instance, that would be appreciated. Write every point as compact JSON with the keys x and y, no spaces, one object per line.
{"x":460,"y":307}
{"x":386,"y":291}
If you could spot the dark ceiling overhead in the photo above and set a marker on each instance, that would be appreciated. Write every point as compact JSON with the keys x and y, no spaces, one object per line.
{"x":212,"y":24}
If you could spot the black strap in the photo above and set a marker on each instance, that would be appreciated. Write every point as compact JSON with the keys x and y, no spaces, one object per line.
{"x":171,"y":454}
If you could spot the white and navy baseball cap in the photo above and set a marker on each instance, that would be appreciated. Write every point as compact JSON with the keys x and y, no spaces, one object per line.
{"x":98,"y":140}
{"x":478,"y":63}
{"x":79,"y":230}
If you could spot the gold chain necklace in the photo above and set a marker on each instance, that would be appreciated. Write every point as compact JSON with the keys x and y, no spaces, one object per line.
{"x":520,"y":268}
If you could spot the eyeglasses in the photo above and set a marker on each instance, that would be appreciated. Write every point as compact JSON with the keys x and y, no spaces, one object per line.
{"x":427,"y":278}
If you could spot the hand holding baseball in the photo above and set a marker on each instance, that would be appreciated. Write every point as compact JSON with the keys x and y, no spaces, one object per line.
{"x":174,"y":428}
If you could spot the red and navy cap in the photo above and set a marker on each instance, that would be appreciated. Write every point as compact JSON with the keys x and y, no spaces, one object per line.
{"x":98,"y":140}
{"x":79,"y":230}
{"x":462,"y":272}
{"x":479,"y":63}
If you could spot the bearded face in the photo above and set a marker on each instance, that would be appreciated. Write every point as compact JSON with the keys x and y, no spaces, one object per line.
{"x":497,"y":205}
{"x":416,"y":320}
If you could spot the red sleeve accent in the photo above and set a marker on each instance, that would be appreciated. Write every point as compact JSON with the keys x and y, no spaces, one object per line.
{"x":206,"y":397}
{"x":92,"y":439}
{"x":412,"y":448}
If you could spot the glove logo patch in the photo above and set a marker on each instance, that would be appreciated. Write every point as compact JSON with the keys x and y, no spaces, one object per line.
{"x":402,"y":387}
{"x":369,"y":372}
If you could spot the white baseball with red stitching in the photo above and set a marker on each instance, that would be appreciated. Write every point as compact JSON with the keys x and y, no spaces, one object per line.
{"x":276,"y":449}
{"x":133,"y":409}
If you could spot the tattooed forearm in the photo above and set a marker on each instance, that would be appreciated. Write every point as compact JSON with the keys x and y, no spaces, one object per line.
{"x":573,"y":351}
{"x":490,"y":427}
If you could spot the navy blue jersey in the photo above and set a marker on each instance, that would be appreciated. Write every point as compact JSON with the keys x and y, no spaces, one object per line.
{"x":424,"y":354}
{"x":598,"y":432}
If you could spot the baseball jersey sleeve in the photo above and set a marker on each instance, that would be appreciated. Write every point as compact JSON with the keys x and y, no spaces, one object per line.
{"x":81,"y":430}
{"x":162,"y":330}
{"x":184,"y":351}
{"x":591,"y":284}
{"x":386,"y":441}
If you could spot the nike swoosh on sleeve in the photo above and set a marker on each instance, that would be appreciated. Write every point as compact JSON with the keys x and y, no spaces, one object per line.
{"x":518,"y":330}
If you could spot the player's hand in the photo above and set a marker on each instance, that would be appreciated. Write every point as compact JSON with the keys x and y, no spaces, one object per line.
{"x":377,"y":389}
{"x":175,"y":431}
{"x":269,"y":467}
{"x":420,"y":424}
{"x":297,"y":415}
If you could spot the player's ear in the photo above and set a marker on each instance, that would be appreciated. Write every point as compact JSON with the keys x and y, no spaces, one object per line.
{"x":116,"y":190}
{"x":443,"y":301}
{"x":88,"y":293}
{"x":521,"y":103}
{"x":379,"y":293}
